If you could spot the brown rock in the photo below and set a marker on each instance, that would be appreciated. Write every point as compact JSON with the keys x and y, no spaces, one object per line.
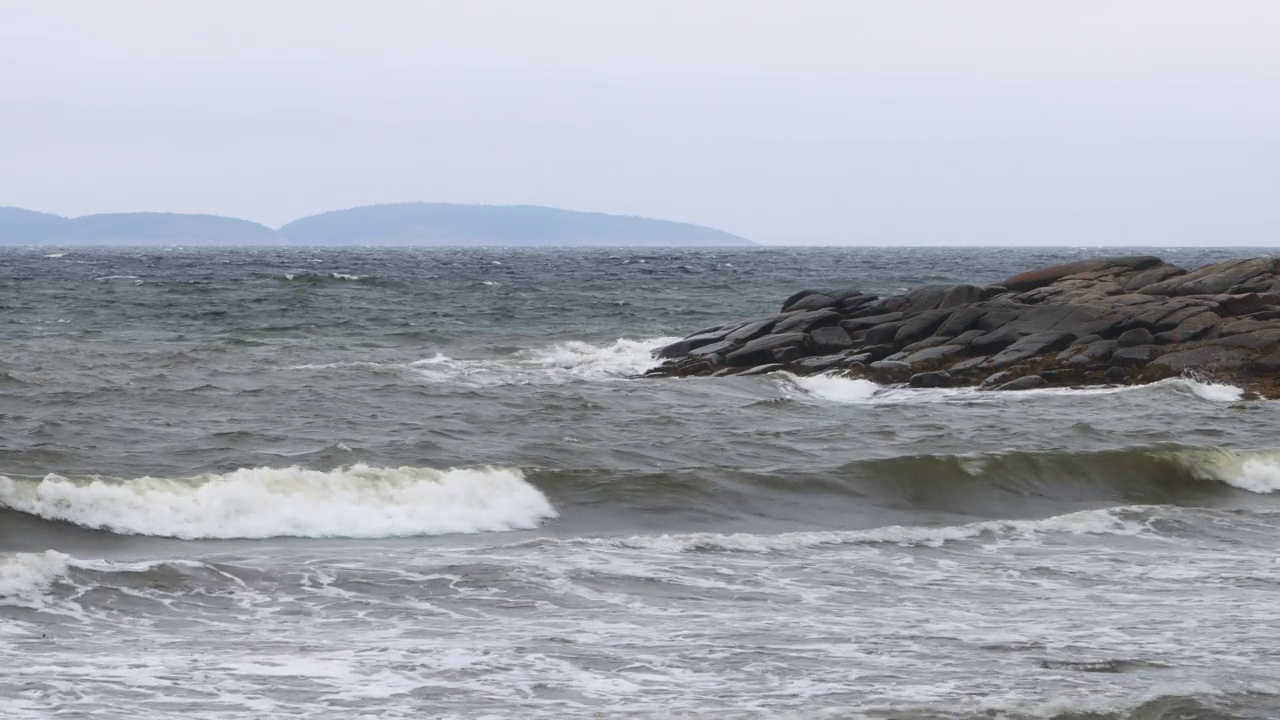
{"x":1045,"y":276}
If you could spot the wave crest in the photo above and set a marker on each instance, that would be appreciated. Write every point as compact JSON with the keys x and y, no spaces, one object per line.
{"x":355,"y":502}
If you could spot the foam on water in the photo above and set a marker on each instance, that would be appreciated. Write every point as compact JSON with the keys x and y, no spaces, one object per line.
{"x":1110,"y":521}
{"x":355,"y":502}
{"x":621,"y":358}
{"x":836,"y":388}
{"x":25,"y":575}
{"x":1257,"y":471}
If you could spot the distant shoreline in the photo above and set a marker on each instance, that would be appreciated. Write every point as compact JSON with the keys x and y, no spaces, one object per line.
{"x":391,"y":225}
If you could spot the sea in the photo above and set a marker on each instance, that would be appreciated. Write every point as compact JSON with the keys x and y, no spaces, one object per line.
{"x":430,"y":483}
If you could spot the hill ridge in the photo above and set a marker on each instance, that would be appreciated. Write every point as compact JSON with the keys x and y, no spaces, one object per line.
{"x":404,"y":224}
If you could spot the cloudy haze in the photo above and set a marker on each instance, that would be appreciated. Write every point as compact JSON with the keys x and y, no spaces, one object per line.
{"x":786,"y":122}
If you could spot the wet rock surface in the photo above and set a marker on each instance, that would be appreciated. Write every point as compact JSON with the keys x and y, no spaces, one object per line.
{"x":1100,"y":321}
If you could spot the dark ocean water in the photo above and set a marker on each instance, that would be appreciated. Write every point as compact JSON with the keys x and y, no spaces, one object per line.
{"x":426,"y":483}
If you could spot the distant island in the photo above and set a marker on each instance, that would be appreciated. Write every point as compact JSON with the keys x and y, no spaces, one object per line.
{"x":402,"y":224}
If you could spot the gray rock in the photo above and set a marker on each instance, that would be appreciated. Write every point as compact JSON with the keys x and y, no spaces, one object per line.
{"x":680,"y":348}
{"x":1094,"y":352}
{"x":928,"y":342}
{"x":760,"y":350}
{"x":997,"y":378}
{"x":751,"y":330}
{"x":1206,"y":357}
{"x":933,"y":354}
{"x":1195,"y":327}
{"x":1031,"y":346}
{"x":967,"y":365}
{"x":960,"y":321}
{"x":797,"y":297}
{"x":936,"y":379}
{"x":1268,"y":363}
{"x":964,"y":338}
{"x":815,"y":301}
{"x":1039,"y":278}
{"x":717,"y":348}
{"x":996,"y":340}
{"x":925,"y":297}
{"x":806,"y":321}
{"x":920,"y":326}
{"x":822,"y":363}
{"x":1086,"y":339}
{"x":1115,"y":373}
{"x":762,"y":369}
{"x":893,"y":366}
{"x":960,"y":295}
{"x":1134,"y":337}
{"x":1214,"y":279}
{"x":882,"y":334}
{"x":1134,"y":355}
{"x":1028,"y":382}
{"x":787,"y":354}
{"x":1159,"y":273}
{"x":862,"y":323}
{"x":1260,"y":340}
{"x":831,"y":338}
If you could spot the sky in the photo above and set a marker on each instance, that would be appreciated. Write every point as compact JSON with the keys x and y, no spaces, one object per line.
{"x":804,"y":122}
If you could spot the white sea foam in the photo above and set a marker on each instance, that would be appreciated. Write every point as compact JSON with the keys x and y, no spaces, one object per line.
{"x":1216,"y":392}
{"x":345,"y":276}
{"x":623,"y":357}
{"x":30,"y":574}
{"x":56,"y":255}
{"x":557,"y":363}
{"x":1257,"y":471}
{"x":358,"y":502}
{"x":1110,"y":521}
{"x":837,"y":389}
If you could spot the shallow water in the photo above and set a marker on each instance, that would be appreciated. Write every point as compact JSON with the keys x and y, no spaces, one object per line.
{"x":407,"y":483}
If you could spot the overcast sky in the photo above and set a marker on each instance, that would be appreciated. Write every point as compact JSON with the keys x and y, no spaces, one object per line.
{"x":790,"y":122}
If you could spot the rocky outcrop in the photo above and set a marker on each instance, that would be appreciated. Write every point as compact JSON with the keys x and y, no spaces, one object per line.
{"x":1102,"y":321}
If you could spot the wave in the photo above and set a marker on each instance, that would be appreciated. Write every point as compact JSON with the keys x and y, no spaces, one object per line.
{"x":353,"y":502}
{"x":623,"y":357}
{"x":1111,"y":521}
{"x":999,"y":484}
{"x":553,"y":364}
{"x":838,"y":389}
{"x":24,"y":575}
{"x":1155,"y":474}
{"x":322,"y":277}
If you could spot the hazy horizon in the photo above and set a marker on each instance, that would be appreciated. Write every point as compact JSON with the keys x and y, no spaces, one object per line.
{"x":916,"y":123}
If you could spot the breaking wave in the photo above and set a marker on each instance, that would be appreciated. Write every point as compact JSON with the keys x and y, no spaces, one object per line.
{"x":353,"y":502}
{"x":839,"y":389}
{"x":1111,"y":521}
{"x":30,"y":574}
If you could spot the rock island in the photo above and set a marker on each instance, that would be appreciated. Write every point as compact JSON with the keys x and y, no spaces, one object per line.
{"x":1120,"y":320}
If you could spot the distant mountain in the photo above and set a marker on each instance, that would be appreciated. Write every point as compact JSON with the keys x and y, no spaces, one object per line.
{"x":27,"y":227}
{"x":398,"y":224}
{"x":163,"y":229}
{"x":447,"y":224}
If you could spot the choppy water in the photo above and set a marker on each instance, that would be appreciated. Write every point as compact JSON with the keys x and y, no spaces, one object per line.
{"x":423,"y":483}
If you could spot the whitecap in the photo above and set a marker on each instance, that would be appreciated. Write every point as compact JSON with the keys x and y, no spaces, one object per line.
{"x":1257,"y":471}
{"x":356,"y":502}
{"x":836,"y":388}
{"x":1110,"y":521}
{"x":26,"y":575}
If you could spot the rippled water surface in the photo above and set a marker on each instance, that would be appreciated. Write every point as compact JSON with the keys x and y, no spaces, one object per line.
{"x":426,"y":483}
